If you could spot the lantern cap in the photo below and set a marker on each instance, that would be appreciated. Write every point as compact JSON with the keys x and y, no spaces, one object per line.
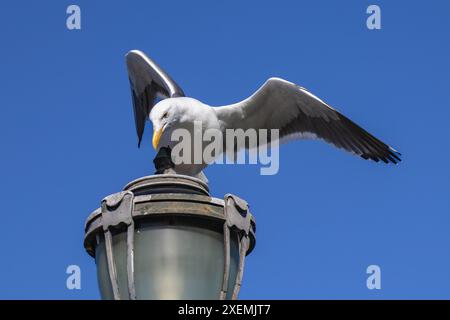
{"x":167,"y":183}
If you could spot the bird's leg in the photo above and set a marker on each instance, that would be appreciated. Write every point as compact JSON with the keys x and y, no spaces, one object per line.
{"x":163,"y":161}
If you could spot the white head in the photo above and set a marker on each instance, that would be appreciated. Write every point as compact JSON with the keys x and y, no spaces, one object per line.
{"x":168,"y":114}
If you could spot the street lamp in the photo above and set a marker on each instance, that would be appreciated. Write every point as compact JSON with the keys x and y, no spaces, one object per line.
{"x":165,"y":237}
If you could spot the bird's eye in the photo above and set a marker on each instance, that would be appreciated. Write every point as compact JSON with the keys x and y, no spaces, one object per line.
{"x":165,"y":115}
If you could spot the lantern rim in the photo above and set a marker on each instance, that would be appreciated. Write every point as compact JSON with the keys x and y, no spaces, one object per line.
{"x":147,"y":183}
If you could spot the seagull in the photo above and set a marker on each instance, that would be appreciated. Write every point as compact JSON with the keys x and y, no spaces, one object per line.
{"x":277,"y":104}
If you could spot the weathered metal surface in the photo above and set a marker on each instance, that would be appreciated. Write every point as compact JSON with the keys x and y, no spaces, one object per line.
{"x":118,"y":209}
{"x":237,"y":213}
{"x":178,"y":207}
{"x":238,"y":219}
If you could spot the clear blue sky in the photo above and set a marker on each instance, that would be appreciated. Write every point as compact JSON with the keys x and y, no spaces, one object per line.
{"x":68,"y":138}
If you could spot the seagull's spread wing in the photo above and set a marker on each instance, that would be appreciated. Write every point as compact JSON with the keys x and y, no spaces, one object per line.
{"x":148,"y":83}
{"x":297,"y":113}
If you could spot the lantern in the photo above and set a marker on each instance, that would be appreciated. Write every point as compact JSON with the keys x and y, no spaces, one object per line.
{"x":165,"y":237}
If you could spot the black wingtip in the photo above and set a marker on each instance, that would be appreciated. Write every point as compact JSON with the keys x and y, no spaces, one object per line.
{"x":397,"y":156}
{"x":394,"y":156}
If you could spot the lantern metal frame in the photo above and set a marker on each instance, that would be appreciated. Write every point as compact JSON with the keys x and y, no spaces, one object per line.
{"x":118,"y":210}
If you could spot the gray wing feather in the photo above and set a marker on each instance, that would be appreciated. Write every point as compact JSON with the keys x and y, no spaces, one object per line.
{"x":297,"y":113}
{"x":148,"y":83}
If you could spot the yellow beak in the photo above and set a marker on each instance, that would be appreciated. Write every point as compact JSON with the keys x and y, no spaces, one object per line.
{"x":156,"y":137}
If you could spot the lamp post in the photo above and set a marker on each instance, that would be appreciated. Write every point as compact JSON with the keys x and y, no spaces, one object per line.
{"x":165,"y":237}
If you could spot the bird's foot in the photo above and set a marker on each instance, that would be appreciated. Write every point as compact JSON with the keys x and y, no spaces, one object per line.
{"x":163,"y":161}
